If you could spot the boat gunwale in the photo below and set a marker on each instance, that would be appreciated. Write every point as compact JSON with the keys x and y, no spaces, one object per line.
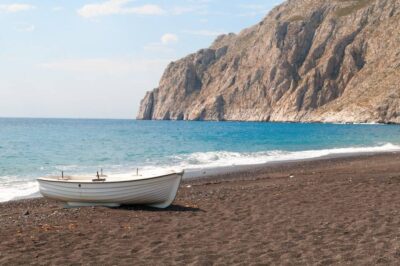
{"x":105,"y":182}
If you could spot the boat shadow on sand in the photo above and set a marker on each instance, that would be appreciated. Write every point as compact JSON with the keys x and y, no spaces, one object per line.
{"x":171,"y":208}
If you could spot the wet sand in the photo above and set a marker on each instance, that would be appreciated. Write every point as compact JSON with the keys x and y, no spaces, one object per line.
{"x":324,"y":211}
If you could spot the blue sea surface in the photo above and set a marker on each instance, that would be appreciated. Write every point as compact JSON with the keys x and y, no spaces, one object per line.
{"x":30,"y":148}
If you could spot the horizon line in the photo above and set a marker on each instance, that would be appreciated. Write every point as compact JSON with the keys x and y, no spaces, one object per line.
{"x":82,"y":118}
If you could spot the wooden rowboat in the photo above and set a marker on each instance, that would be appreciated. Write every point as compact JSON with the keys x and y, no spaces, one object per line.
{"x":112,"y":191}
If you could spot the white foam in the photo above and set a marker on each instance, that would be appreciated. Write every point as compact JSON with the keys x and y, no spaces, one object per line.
{"x":224,"y":158}
{"x":18,"y":190}
{"x":219,"y":162}
{"x":202,"y":164}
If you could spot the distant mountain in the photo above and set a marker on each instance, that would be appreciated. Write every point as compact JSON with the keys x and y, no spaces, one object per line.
{"x":308,"y":60}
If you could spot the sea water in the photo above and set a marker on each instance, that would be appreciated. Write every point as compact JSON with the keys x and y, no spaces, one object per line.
{"x":30,"y":148}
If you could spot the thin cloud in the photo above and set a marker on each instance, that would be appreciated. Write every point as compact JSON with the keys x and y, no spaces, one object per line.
{"x":105,"y":65}
{"x":180,"y":10}
{"x":255,"y":9}
{"x":115,"y":7}
{"x":57,"y":8}
{"x":12,"y":8}
{"x":164,"y":45}
{"x":200,"y":1}
{"x":159,"y":48}
{"x":169,"y":38}
{"x":25,"y":27}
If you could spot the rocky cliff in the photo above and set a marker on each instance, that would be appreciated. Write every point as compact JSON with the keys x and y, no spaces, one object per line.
{"x":308,"y":60}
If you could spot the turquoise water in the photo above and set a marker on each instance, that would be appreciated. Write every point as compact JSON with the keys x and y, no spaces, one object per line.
{"x":30,"y":148}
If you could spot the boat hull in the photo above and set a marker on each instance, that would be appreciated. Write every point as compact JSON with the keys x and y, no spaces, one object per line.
{"x":158,"y":192}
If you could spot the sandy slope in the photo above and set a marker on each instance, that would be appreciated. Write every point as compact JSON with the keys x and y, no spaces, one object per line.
{"x":342,"y":210}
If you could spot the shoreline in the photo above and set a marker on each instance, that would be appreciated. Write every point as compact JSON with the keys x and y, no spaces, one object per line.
{"x":325,"y":211}
{"x":230,"y":172}
{"x":199,"y":173}
{"x":277,"y":122}
{"x":211,"y":171}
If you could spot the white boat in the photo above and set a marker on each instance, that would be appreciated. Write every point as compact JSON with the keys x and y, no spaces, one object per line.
{"x":156,"y":190}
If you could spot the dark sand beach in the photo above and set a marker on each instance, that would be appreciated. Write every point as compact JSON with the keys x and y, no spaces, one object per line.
{"x":325,"y":211}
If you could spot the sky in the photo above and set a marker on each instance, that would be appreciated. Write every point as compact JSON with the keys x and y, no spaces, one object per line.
{"x":97,"y":58}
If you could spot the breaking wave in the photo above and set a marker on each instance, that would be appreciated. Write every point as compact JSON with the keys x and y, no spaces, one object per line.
{"x":200,"y":163}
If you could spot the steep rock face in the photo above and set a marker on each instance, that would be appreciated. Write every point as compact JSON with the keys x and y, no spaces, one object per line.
{"x":308,"y":60}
